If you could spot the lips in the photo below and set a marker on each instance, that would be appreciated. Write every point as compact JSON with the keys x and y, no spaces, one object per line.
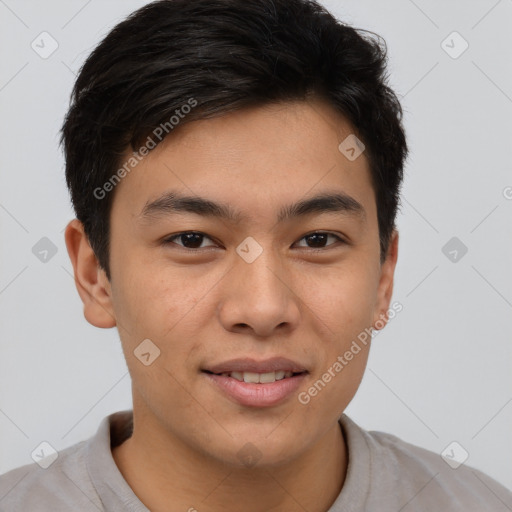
{"x":259,"y":378}
{"x":247,"y":365}
{"x":253,"y":383}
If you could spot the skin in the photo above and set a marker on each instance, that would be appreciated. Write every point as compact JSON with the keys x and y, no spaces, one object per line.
{"x":210,"y":306}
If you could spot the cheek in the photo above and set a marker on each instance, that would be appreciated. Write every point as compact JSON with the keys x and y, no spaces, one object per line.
{"x":343,"y":305}
{"x":152,"y":307}
{"x":152,"y":304}
{"x":168,"y":308}
{"x":342,"y":301}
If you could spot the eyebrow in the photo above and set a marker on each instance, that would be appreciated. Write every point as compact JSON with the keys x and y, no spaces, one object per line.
{"x":174,"y":202}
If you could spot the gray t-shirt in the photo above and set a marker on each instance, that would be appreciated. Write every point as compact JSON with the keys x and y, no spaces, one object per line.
{"x":384,"y":474}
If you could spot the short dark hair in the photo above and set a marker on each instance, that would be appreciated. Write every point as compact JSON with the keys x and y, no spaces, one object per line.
{"x":222,"y":56}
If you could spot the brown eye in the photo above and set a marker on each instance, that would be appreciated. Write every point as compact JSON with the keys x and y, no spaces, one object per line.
{"x":318,"y":240}
{"x":188,"y":240}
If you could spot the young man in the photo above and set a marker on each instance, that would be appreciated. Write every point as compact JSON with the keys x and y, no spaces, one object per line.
{"x":235,"y":169}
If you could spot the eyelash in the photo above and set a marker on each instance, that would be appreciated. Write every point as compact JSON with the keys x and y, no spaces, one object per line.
{"x":171,"y":239}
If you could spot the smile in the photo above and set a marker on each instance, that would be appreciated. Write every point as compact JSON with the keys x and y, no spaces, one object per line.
{"x":259,"y":378}
{"x":251,"y":389}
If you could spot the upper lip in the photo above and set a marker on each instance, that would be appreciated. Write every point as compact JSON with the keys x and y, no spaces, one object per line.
{"x":252,"y":365}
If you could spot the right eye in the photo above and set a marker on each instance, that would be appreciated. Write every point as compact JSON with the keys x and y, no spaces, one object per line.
{"x":189,"y":240}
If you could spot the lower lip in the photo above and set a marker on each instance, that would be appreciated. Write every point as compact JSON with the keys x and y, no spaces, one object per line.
{"x":257,"y":395}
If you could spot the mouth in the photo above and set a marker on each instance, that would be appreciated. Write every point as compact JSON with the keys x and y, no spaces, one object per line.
{"x":252,"y":383}
{"x":258,"y":378}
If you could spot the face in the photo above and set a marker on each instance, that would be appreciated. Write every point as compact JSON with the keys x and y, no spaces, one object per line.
{"x":285,"y":264}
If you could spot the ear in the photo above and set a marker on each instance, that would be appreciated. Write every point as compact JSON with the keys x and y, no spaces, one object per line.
{"x":90,"y":279}
{"x":385,"y":289}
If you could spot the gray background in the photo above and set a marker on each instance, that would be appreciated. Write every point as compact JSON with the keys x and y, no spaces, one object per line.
{"x":439,"y":372}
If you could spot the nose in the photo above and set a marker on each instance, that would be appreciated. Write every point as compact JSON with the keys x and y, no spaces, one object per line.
{"x":258,"y":298}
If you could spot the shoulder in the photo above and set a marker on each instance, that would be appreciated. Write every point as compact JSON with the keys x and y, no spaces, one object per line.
{"x":419,"y":479}
{"x":63,"y":485}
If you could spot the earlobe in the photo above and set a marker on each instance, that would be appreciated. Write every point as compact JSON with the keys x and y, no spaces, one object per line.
{"x":90,"y":279}
{"x":385,"y":290}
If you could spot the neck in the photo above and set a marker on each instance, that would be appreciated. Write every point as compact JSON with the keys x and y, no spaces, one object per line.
{"x":193,"y":481}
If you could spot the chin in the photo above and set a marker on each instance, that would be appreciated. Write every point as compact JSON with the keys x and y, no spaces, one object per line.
{"x":257,"y":451}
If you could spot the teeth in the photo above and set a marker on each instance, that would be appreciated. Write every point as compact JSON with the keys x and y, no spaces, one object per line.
{"x":268,"y":377}
{"x":251,"y":377}
{"x":258,"y":378}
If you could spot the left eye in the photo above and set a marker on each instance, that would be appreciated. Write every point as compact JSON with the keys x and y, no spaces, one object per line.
{"x":319,"y":240}
{"x":194,"y":240}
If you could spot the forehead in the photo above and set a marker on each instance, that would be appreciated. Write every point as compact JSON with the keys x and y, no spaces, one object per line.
{"x":253,"y":160}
